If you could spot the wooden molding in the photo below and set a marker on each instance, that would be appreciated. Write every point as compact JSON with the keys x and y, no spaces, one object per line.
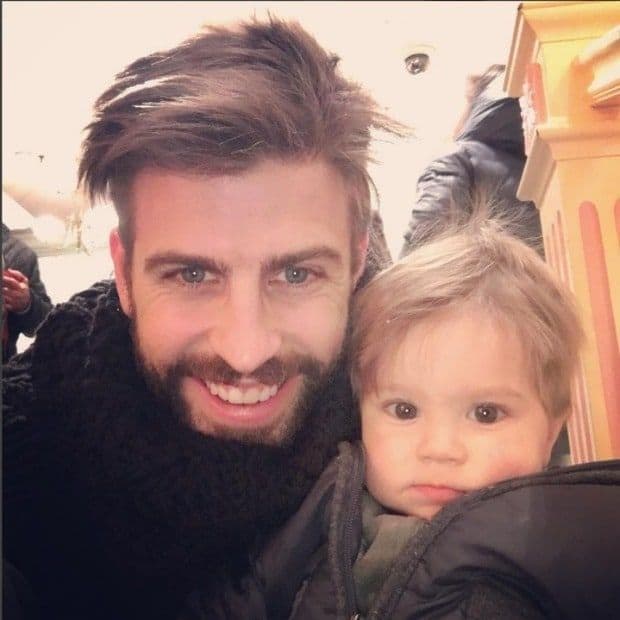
{"x":521,"y":54}
{"x":603,"y":56}
{"x":581,"y":141}
{"x":557,"y":21}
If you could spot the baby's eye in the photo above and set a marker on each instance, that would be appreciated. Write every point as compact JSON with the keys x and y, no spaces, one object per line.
{"x":403,"y":410}
{"x":192,"y":274}
{"x":486,"y":413}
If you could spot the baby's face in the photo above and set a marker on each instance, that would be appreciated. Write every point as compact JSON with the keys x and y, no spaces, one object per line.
{"x":454,"y":411}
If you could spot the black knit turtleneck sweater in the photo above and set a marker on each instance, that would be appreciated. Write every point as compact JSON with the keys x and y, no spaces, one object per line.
{"x":112,"y":508}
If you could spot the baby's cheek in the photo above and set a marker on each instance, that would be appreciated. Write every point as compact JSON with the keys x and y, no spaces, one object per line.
{"x":507,"y":465}
{"x":376,"y":485}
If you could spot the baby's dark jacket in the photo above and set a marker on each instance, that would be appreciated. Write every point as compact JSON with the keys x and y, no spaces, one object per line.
{"x":544,"y":546}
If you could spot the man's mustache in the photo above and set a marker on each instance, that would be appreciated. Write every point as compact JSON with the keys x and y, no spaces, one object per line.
{"x":274,"y":371}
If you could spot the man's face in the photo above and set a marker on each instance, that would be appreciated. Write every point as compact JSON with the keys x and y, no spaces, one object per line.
{"x":238,"y":290}
{"x":455,"y":410}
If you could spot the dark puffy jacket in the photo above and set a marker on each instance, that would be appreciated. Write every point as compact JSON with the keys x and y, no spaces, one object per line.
{"x":542,"y":546}
{"x":489,"y":156}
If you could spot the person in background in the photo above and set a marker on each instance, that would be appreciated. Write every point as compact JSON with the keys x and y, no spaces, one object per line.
{"x":462,"y":357}
{"x":163,"y":424}
{"x":489,"y":152}
{"x":25,"y":300}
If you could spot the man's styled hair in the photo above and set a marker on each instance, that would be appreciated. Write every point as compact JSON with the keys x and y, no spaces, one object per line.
{"x":221,"y":102}
{"x":476,"y":265}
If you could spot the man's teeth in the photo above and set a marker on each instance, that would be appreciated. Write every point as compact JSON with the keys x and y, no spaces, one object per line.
{"x":242,"y":396}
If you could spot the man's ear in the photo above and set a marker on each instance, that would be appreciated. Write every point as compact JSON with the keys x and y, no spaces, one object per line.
{"x":360,"y":249}
{"x":121,"y":271}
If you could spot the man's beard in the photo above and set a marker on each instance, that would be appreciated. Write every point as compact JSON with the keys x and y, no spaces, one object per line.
{"x":166,"y":385}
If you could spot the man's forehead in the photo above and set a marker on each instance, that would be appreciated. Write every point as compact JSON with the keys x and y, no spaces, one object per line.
{"x":281,"y":203}
{"x":277,"y":210}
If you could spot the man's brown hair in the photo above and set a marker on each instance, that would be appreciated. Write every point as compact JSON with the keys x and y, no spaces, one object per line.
{"x":224,"y":100}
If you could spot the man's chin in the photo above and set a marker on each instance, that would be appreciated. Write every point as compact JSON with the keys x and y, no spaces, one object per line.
{"x":273,"y":421}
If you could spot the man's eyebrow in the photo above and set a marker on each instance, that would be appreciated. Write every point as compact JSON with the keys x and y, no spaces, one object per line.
{"x":163,"y":259}
{"x":321,"y":252}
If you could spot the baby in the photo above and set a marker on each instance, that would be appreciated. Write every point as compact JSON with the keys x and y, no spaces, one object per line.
{"x":462,"y":360}
{"x":462,"y":357}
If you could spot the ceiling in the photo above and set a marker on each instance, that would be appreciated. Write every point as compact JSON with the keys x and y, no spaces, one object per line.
{"x":59,"y":56}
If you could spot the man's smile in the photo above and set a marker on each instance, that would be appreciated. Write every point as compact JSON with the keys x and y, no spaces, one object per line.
{"x":240,"y":395}
{"x":241,"y":406}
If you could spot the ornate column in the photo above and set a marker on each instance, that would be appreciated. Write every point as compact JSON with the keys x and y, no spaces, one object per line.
{"x":565,"y":64}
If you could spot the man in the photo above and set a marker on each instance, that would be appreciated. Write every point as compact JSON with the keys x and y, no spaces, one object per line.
{"x":162,"y":425}
{"x":25,"y":299}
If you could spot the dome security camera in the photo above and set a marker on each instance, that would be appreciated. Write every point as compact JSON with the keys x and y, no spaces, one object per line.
{"x":417,"y":62}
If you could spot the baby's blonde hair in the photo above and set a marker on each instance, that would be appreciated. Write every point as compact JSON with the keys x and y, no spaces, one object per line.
{"x":477,"y":262}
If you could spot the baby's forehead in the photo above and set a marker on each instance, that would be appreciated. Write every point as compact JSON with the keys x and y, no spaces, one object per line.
{"x":452,"y":328}
{"x":455,"y":346}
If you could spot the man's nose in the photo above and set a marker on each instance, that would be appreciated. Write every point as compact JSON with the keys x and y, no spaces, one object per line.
{"x":440,"y":441}
{"x":244,"y":333}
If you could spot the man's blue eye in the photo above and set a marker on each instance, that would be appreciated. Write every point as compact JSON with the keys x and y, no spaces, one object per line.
{"x":295,"y":275}
{"x":193,"y":274}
